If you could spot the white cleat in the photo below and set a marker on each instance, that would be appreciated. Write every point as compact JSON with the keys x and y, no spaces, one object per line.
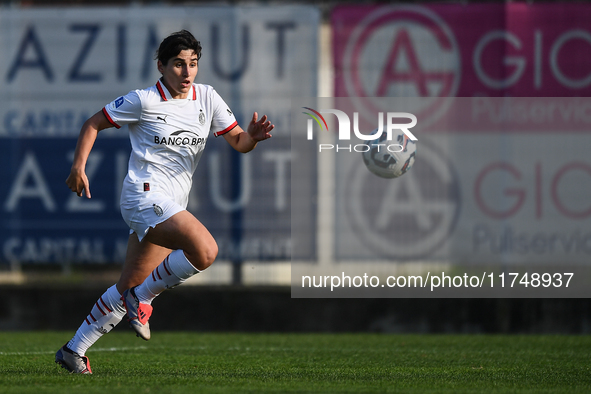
{"x":72,"y":361}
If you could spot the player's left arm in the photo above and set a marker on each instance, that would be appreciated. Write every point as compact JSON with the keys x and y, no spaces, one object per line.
{"x":245,"y":141}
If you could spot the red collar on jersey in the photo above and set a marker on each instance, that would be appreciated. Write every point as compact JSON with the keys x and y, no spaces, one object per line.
{"x":161,"y":88}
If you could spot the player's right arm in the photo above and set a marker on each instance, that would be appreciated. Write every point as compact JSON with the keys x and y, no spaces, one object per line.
{"x":78,"y":181}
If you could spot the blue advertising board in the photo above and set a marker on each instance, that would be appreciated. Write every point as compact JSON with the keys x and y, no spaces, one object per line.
{"x":63,"y":65}
{"x":43,"y":221}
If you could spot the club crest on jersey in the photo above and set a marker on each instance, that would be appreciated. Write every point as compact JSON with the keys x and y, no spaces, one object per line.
{"x":201,"y":118}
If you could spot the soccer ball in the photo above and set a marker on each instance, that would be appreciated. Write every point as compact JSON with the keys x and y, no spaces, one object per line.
{"x":390,"y":159}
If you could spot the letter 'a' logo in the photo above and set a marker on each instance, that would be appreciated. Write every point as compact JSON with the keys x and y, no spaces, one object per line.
{"x":118,"y":102}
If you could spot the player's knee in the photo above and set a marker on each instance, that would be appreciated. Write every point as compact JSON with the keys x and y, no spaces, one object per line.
{"x":205,"y":256}
{"x":210,"y":255}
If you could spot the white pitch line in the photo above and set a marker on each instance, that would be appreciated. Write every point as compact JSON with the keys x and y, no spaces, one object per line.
{"x":105,"y":349}
{"x":117,"y":349}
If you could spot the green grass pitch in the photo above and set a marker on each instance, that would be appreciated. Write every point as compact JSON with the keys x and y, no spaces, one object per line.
{"x":174,"y":362}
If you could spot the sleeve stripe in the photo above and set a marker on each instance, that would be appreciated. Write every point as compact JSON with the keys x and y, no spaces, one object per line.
{"x":109,"y":118}
{"x":224,"y":131}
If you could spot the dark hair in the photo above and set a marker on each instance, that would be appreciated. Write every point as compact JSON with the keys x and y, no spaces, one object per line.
{"x":175,"y":43}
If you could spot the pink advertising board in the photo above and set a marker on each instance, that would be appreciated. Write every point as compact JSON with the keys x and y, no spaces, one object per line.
{"x":502,"y":94}
{"x":462,"y":50}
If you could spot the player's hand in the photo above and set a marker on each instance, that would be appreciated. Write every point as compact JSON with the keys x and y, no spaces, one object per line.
{"x":78,"y":182}
{"x":259,"y":129}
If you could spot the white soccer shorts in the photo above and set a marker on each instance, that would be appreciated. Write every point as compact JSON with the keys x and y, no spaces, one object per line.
{"x":151,"y":209}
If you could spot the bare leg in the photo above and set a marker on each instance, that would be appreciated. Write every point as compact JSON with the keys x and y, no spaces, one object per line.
{"x":194,"y":250}
{"x":182,"y":231}
{"x":141,"y":259}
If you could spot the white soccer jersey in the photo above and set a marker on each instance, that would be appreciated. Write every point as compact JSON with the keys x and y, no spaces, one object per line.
{"x":167,"y":136}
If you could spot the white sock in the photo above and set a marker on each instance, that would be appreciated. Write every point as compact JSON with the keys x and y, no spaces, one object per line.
{"x":174,"y":270}
{"x":104,"y":316}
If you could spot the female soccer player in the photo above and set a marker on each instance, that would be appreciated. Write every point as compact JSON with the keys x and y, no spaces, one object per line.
{"x":168,"y":124}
